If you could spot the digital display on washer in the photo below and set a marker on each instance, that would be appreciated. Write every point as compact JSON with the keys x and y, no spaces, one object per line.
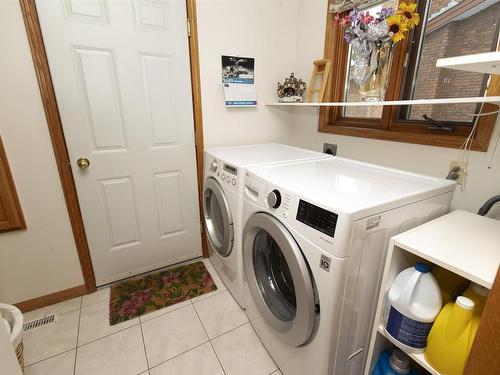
{"x":317,"y":218}
{"x":230,"y":169}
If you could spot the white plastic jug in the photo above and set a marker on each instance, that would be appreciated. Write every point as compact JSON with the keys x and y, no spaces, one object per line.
{"x":413,"y":303}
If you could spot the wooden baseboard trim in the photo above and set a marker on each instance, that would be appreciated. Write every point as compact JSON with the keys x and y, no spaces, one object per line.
{"x":50,"y":299}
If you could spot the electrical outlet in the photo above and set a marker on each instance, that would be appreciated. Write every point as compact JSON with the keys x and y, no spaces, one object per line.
{"x":330,"y":148}
{"x":457,"y":172}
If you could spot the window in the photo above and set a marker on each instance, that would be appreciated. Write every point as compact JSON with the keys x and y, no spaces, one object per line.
{"x":447,"y":28}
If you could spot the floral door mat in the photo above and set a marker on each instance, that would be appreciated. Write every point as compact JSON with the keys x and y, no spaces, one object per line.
{"x":142,"y":295}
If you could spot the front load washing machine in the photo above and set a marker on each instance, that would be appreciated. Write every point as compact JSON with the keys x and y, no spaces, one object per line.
{"x":314,"y":243}
{"x":223,"y":200}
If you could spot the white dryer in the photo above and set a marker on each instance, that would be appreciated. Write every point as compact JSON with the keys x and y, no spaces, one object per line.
{"x":314,"y":243}
{"x":223,"y":201}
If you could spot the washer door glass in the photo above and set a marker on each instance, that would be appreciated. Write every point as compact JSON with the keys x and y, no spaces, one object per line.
{"x":273,"y":277}
{"x":279,"y":279}
{"x":218,"y":219}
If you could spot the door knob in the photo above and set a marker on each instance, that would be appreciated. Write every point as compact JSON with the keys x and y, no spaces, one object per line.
{"x":83,"y":163}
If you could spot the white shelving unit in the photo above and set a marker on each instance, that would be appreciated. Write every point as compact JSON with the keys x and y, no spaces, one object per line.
{"x":461,"y":242}
{"x":480,"y":63}
{"x":473,"y":100}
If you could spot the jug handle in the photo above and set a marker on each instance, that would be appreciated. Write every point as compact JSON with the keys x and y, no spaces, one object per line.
{"x":409,"y":289}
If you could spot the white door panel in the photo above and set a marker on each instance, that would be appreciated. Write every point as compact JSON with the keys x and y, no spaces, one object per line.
{"x":121,"y":75}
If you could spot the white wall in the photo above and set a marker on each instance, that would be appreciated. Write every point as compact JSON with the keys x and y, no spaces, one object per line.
{"x":43,"y":258}
{"x":482,"y":182}
{"x":261,"y":29}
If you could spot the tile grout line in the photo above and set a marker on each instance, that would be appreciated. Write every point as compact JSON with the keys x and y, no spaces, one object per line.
{"x":194,"y":347}
{"x":220,"y":290}
{"x":177,"y":355}
{"x":64,"y":351}
{"x":109,"y":334}
{"x":166,"y":312}
{"x":125,"y":328}
{"x":231,"y":330}
{"x":77,"y":335}
{"x":209,"y":340}
{"x":144,"y":346}
{"x":52,"y":356}
{"x":53,"y":312}
{"x":267,"y":351}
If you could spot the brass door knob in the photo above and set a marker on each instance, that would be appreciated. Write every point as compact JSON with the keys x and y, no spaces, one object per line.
{"x":83,"y":163}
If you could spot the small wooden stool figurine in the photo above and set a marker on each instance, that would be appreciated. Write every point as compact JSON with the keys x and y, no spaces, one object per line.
{"x":292,"y":90}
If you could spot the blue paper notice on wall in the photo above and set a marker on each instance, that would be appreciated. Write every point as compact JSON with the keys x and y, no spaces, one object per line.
{"x":238,"y":80}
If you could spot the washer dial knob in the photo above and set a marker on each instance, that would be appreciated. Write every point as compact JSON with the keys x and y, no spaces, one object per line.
{"x":274,"y":199}
{"x":213,"y":166}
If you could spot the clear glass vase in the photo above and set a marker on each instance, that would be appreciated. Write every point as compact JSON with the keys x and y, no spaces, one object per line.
{"x":375,"y":86}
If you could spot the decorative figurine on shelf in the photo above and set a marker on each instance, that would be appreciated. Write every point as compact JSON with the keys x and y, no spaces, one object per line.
{"x":292,"y":90}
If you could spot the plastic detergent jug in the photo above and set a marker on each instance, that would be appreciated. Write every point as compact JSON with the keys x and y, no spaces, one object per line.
{"x":478,"y":294}
{"x":413,"y":302}
{"x":451,"y":337}
{"x":393,"y":363}
{"x":451,"y":284}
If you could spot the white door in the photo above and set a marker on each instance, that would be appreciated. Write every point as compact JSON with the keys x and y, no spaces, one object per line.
{"x":121,"y":73}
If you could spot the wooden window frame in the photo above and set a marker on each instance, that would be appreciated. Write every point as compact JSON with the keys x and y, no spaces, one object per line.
{"x":11,"y":217}
{"x":389,"y":127}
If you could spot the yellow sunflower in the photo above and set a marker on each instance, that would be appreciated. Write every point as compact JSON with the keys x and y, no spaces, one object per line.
{"x":408,"y":14}
{"x":397,"y":26}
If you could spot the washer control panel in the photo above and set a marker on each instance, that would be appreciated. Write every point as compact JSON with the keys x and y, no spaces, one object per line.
{"x":227,"y":174}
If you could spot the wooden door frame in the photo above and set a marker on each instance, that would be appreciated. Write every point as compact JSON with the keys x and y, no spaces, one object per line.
{"x":40,"y":61}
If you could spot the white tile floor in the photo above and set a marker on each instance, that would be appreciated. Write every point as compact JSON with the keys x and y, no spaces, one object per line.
{"x":208,"y":335}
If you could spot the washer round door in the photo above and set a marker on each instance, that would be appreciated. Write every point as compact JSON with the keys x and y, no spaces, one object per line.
{"x":279,"y":279}
{"x":218,"y":218}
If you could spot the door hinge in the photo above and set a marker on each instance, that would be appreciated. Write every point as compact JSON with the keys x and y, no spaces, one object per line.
{"x":189,"y":27}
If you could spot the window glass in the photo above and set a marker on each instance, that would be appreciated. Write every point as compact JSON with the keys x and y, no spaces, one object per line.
{"x":453,"y":28}
{"x":351,"y":92}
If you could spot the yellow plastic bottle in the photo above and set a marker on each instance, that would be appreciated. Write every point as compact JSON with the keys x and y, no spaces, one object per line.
{"x":450,"y":339}
{"x":478,"y":294}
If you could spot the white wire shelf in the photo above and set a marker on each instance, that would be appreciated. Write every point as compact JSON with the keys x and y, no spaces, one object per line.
{"x":488,"y":62}
{"x":471,"y":100}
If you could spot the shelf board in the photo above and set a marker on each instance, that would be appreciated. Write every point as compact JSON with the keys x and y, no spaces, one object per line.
{"x":417,"y":357}
{"x":471,"y":100}
{"x":488,"y":62}
{"x":461,"y":241}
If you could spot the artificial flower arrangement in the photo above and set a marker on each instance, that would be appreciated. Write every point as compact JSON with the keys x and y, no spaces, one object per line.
{"x":373,"y":38}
